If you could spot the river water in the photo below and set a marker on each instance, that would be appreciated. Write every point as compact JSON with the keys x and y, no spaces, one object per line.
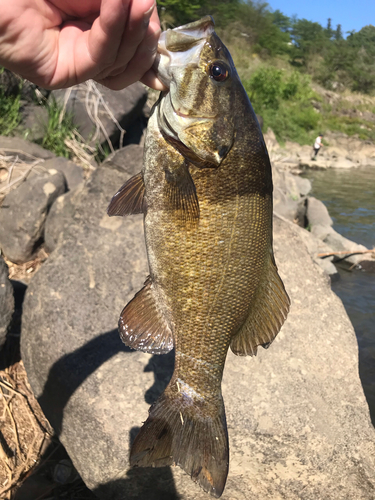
{"x":349,"y":196}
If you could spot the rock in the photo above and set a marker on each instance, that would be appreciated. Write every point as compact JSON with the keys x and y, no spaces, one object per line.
{"x":6,"y":301}
{"x":23,"y":214}
{"x":12,"y":84}
{"x":341,"y":244}
{"x":284,"y":206}
{"x":126,"y":106}
{"x":25,"y":150}
{"x":342,"y":152}
{"x":34,"y":122}
{"x":60,"y":218}
{"x":317,"y":213}
{"x":124,"y":158}
{"x":298,"y":421}
{"x":73,"y":173}
{"x":287,"y":191}
{"x":270,"y":140}
{"x":303,"y":185}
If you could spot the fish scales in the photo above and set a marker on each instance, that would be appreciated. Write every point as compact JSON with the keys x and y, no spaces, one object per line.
{"x":206,"y":195}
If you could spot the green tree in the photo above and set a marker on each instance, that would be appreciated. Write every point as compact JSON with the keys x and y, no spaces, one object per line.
{"x":338,"y":33}
{"x":257,"y":23}
{"x":308,"y":39}
{"x":329,"y":31}
{"x":282,"y":22}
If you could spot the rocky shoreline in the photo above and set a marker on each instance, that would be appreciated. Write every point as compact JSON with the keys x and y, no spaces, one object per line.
{"x":298,"y":419}
{"x":292,"y":200}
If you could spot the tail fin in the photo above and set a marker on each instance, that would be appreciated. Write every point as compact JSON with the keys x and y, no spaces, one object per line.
{"x":179,"y":431}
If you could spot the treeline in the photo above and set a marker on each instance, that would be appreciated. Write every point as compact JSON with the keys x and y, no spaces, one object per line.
{"x":323,"y":52}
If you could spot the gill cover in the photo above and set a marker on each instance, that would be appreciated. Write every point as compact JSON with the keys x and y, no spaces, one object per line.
{"x":195,"y":114}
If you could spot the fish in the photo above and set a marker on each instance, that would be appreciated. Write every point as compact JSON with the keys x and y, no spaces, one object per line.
{"x":206,"y":194}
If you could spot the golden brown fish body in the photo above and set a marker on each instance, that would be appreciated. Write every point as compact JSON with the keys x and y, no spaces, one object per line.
{"x":206,"y":191}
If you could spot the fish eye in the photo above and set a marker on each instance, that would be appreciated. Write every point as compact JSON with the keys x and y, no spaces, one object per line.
{"x":218,"y":71}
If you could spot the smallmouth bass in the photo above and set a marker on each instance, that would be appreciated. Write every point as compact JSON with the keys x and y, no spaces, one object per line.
{"x":206,"y":194}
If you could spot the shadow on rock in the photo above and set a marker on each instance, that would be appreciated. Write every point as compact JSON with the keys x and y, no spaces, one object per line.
{"x":144,"y":483}
{"x":71,"y":370}
{"x":162,"y":366}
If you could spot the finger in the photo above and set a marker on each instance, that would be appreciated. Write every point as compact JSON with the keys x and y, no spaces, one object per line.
{"x":122,"y":62}
{"x":137,"y":30}
{"x":105,"y":36}
{"x":138,"y":65}
{"x":151,"y":80}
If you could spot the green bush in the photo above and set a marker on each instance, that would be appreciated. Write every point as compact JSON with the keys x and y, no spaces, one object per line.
{"x":265,"y":88}
{"x":284,"y":102}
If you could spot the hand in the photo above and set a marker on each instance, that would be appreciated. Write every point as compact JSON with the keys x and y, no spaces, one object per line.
{"x":60,"y":43}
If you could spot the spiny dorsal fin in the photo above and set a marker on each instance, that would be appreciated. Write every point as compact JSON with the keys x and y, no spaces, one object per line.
{"x":195,"y":437}
{"x":129,"y":199}
{"x":267,"y":315}
{"x":181,"y":193}
{"x":142,"y":325}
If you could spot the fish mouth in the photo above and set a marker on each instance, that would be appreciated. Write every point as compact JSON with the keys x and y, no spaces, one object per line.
{"x":179,"y":45}
{"x":189,"y":116}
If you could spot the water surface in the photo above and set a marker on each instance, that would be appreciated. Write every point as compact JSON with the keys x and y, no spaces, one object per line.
{"x":349,"y":196}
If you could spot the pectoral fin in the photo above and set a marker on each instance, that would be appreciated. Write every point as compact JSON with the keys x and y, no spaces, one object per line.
{"x":181,"y":193}
{"x":267,"y":315}
{"x":129,"y":199}
{"x":142,"y":325}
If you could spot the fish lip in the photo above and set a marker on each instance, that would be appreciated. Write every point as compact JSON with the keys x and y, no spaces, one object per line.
{"x":184,"y":115}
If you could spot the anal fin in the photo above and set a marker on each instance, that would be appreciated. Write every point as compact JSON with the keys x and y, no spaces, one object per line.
{"x":142,"y":325}
{"x":267,"y":314}
{"x":129,"y":199}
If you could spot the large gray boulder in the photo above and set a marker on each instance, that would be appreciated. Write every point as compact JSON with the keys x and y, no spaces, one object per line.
{"x":298,"y":421}
{"x":91,"y":106}
{"x":60,"y":218}
{"x":317,"y":213}
{"x":288,"y":190}
{"x":6,"y":301}
{"x":24,"y":211}
{"x":73,"y":173}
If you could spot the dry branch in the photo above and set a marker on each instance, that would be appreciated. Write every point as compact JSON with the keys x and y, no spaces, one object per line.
{"x":345,"y":252}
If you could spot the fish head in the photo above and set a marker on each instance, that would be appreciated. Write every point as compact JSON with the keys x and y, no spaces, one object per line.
{"x":196,"y":115}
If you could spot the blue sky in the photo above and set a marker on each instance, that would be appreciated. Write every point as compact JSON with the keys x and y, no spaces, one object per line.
{"x":351,"y":14}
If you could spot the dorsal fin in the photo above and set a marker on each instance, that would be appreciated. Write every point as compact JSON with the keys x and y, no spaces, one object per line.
{"x":129,"y":199}
{"x":267,"y":314}
{"x":142,"y":325}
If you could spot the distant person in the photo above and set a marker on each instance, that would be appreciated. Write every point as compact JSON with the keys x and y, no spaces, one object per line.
{"x":317,"y":145}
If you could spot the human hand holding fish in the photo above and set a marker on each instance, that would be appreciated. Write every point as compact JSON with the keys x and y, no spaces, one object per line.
{"x":60,"y":43}
{"x":206,"y":194}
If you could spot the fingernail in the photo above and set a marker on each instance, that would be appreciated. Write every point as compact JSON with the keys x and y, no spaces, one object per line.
{"x":147,"y":15}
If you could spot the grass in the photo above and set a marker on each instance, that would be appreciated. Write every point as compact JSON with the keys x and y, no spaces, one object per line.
{"x":9,"y":113}
{"x":59,"y":128}
{"x":365,"y":130}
